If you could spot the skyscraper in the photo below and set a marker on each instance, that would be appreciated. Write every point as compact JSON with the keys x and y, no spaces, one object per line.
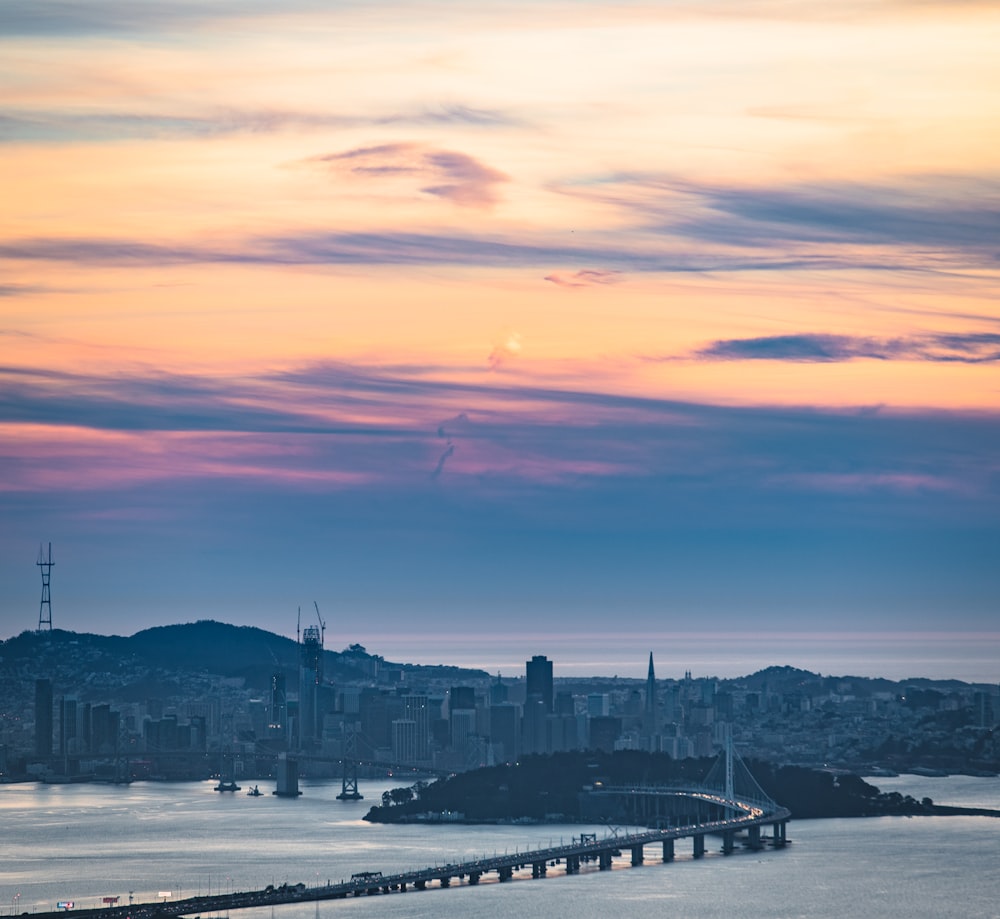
{"x":416,"y":708}
{"x":43,"y":717}
{"x":310,"y":678}
{"x":278,"y":701}
{"x":538,"y":672}
{"x":650,"y":707}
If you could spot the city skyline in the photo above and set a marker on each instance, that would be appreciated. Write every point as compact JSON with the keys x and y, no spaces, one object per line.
{"x":573,"y":328}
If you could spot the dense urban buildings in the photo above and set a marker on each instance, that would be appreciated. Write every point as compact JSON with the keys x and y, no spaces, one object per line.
{"x":108,"y":715}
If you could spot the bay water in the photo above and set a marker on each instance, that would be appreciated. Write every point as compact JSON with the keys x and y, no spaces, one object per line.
{"x":81,"y":843}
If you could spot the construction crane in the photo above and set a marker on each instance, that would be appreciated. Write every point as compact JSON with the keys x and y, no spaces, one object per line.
{"x":322,"y":624}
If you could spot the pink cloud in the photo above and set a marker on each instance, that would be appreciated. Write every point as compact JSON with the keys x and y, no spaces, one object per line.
{"x":448,"y":174}
{"x":587,"y":277}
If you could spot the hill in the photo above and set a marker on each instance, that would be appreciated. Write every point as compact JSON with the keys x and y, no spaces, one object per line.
{"x":112,"y":666}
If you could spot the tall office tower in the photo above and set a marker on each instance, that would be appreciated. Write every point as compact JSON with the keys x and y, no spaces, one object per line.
{"x":278,"y":701}
{"x":598,"y":704}
{"x":982,"y":707}
{"x":43,"y":717}
{"x":103,"y":728}
{"x":504,"y":734}
{"x":461,"y":717}
{"x":604,"y":732}
{"x":564,"y":703}
{"x":310,"y":677}
{"x":534,"y":738}
{"x":404,"y":740}
{"x":84,"y":728}
{"x":416,"y":708}
{"x":67,"y":726}
{"x":461,"y":697}
{"x":464,"y":739}
{"x":498,"y":692}
{"x":538,"y":681}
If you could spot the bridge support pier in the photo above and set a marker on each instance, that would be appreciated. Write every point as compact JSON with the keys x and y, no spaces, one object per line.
{"x":420,"y":885}
{"x":604,"y":860}
{"x":505,"y":874}
{"x":572,"y":864}
{"x":728,"y":842}
{"x":668,"y":850}
{"x":636,"y":855}
{"x":445,"y":881}
{"x":474,"y":877}
{"x":699,"y":845}
{"x":753,"y":838}
{"x":538,"y":869}
{"x":779,"y":835}
{"x":349,"y":784}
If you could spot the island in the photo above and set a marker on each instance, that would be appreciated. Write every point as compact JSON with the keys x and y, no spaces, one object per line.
{"x":556,"y":787}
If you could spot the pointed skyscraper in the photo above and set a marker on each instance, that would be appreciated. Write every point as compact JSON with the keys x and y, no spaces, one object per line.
{"x":649,"y":719}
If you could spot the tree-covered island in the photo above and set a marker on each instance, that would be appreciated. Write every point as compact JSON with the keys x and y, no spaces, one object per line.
{"x":554,"y":788}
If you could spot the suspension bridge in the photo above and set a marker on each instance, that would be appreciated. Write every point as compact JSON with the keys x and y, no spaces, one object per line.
{"x":729,"y":804}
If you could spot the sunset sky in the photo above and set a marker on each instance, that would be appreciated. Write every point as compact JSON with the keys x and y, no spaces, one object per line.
{"x":509,"y":327}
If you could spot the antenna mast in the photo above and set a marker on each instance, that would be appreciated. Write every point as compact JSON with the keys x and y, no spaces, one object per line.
{"x":45,"y":564}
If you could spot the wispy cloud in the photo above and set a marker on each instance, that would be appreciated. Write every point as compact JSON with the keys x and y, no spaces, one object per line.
{"x":931,"y":212}
{"x":121,"y":17}
{"x":585,"y":277}
{"x":413,"y":248}
{"x":969,"y":348}
{"x":51,"y":126}
{"x":930,"y":215}
{"x":323,"y":424}
{"x":452,"y":175}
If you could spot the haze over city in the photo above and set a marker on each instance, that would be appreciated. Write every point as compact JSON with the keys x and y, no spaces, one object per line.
{"x":584,"y":329}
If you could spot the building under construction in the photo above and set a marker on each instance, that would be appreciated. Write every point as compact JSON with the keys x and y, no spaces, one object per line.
{"x":310,"y":679}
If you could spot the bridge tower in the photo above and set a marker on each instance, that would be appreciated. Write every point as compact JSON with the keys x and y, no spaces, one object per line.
{"x":45,"y":564}
{"x":349,"y":784}
{"x":729,"y":763}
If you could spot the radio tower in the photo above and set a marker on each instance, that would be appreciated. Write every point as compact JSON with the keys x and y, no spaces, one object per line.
{"x":45,"y":564}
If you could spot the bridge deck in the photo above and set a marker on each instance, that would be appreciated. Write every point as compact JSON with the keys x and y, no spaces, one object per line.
{"x":745,"y":814}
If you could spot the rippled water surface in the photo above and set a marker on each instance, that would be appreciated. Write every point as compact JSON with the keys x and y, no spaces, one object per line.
{"x":82,"y":842}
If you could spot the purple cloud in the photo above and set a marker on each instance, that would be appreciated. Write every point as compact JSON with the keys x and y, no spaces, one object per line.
{"x":455,"y":176}
{"x":970,"y":348}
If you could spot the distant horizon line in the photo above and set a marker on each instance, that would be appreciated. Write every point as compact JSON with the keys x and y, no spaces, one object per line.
{"x":968,"y":657}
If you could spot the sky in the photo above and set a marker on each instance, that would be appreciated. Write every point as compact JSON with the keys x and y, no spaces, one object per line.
{"x":578,"y":328}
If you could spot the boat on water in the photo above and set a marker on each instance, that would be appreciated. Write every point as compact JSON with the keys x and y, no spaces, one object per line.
{"x":227,"y":786}
{"x":254,"y":792}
